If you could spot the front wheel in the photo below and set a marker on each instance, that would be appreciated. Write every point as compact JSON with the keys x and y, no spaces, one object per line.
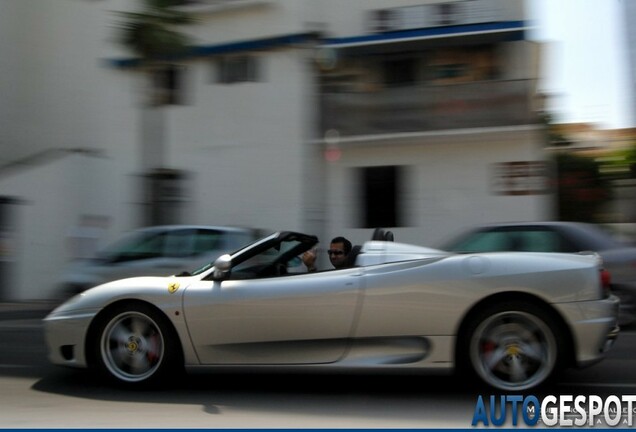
{"x":135,"y":345}
{"x":513,"y":347}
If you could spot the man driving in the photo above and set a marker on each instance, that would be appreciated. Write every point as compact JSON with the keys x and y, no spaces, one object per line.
{"x":338,"y":251}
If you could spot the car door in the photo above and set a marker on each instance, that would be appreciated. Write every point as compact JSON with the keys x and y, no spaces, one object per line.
{"x":290,"y":319}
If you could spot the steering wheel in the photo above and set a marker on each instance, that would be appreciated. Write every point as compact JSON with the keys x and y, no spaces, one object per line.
{"x":280,"y":269}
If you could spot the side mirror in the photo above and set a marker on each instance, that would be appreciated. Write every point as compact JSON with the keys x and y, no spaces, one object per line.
{"x":222,"y":267}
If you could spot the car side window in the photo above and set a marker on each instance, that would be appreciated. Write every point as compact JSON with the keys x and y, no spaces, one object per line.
{"x":488,"y":241}
{"x":206,"y":241}
{"x":148,"y":247}
{"x":512,"y":240}
{"x":539,"y":241}
{"x":179,"y":243}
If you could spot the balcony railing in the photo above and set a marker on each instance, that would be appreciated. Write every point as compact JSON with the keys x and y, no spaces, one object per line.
{"x":421,"y":108}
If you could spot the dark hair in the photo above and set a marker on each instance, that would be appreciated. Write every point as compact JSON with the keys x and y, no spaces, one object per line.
{"x":345,"y":242}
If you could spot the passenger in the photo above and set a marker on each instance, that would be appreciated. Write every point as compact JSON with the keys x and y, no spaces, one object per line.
{"x":338,"y":251}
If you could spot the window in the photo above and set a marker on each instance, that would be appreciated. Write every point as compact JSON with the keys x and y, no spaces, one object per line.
{"x":446,"y":14}
{"x":206,"y":240}
{"x":513,"y":240}
{"x":466,"y":64}
{"x":168,"y":84}
{"x":540,"y":241}
{"x":179,"y":243}
{"x":166,"y":196}
{"x":138,"y":246}
{"x":450,"y":71}
{"x":400,"y":72}
{"x":381,"y":203}
{"x":235,"y":69}
{"x":483,"y":242}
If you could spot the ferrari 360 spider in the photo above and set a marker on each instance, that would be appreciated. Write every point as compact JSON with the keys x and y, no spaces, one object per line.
{"x":511,"y":320}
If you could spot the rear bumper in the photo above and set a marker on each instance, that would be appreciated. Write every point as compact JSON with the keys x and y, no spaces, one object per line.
{"x":594,"y":326}
{"x":611,"y":338}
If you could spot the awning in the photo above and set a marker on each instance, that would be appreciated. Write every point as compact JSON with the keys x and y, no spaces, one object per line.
{"x":411,"y":39}
{"x":363,"y":44}
{"x":230,"y":48}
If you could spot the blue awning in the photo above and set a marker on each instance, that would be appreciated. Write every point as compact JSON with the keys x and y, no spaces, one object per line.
{"x":496,"y":31}
{"x":507,"y":30}
{"x":229,"y":48}
{"x":255,"y":45}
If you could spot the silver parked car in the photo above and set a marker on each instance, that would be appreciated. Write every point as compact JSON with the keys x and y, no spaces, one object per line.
{"x":569,"y":237}
{"x":155,"y":251}
{"x":513,"y":320}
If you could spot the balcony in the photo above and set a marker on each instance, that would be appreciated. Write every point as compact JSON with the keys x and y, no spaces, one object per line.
{"x":425,"y":108}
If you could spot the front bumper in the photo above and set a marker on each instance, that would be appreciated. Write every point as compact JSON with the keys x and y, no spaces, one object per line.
{"x":65,"y":335}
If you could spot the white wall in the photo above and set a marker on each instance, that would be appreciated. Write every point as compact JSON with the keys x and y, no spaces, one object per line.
{"x":244,"y":142}
{"x":449,"y":183}
{"x":58,"y":92}
{"x":52,"y":197}
{"x":63,"y":96}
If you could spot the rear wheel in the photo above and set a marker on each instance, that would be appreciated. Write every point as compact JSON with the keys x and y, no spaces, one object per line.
{"x":513,"y":346}
{"x":135,"y":345}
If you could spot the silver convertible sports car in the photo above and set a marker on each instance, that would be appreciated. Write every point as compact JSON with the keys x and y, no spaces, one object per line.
{"x":511,"y":320}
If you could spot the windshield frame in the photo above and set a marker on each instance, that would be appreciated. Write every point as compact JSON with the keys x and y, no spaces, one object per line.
{"x":259,"y":246}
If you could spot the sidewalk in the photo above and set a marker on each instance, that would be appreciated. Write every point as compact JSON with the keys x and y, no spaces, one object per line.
{"x":36,"y":309}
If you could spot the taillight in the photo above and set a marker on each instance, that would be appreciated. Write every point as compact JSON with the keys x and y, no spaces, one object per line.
{"x":606,"y":280}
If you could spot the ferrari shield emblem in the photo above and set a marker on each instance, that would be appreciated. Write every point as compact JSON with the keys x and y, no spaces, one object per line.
{"x":173,"y":287}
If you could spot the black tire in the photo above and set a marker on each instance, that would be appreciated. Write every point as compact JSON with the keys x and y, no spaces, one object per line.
{"x":136,"y":346}
{"x":512,"y":346}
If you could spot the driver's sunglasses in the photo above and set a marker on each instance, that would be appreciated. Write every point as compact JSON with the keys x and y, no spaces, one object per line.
{"x":335,"y":252}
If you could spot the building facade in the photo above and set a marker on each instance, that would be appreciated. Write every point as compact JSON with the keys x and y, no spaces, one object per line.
{"x":325,"y":116}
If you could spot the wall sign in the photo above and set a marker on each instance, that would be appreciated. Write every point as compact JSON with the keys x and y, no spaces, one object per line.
{"x":521,"y":178}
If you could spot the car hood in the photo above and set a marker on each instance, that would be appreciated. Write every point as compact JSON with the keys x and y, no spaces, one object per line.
{"x":157,"y":290}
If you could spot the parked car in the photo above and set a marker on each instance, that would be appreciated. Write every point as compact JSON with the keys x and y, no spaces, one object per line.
{"x":155,"y":251}
{"x":512,"y":320}
{"x":618,"y":258}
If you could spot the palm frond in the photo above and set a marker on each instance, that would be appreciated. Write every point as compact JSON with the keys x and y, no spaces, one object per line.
{"x":152,"y":33}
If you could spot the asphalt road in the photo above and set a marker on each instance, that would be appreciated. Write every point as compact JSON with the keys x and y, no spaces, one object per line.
{"x":37,"y":395}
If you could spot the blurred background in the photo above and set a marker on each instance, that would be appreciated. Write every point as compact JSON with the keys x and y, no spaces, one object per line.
{"x":328,"y":117}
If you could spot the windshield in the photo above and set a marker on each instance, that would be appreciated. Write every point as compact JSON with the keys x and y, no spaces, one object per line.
{"x":249,"y":246}
{"x":265,"y":262}
{"x":271,"y":256}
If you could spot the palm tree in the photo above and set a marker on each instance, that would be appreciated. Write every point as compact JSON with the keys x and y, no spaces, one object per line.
{"x":153,"y":35}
